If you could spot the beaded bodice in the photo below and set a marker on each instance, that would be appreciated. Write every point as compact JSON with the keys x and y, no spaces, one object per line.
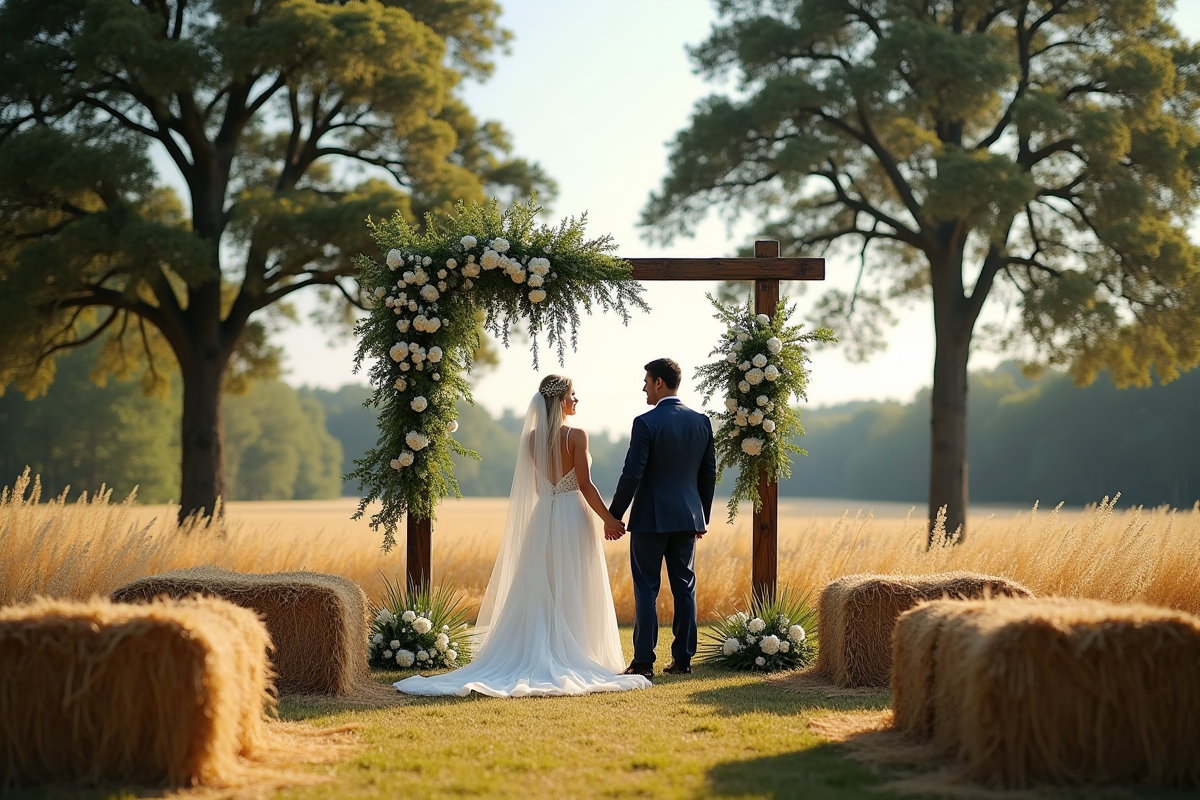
{"x":567,"y":483}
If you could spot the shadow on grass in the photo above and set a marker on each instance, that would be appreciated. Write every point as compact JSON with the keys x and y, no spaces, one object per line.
{"x":762,"y":698}
{"x":822,"y":771}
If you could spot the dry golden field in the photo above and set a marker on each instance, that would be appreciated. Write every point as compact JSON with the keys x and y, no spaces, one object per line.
{"x":78,"y":549}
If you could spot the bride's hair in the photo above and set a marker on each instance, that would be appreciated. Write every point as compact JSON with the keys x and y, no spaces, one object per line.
{"x":553,"y":389}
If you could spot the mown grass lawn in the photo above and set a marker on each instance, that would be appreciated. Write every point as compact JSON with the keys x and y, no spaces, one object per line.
{"x":713,"y":733}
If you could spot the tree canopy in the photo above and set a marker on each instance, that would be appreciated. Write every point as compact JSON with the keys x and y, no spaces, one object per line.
{"x":1044,"y":152}
{"x":286,"y":122}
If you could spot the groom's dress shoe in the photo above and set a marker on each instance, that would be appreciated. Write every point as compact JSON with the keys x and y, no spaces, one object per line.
{"x":675,"y":668}
{"x":645,"y":670}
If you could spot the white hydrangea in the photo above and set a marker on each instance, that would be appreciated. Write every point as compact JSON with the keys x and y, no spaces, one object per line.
{"x":763,"y":319}
{"x":418,"y":356}
{"x":762,"y":400}
{"x":769,"y":425}
{"x":756,"y":625}
{"x":402,"y":325}
{"x":422,"y":625}
{"x":409,"y":276}
{"x":452,"y":426}
{"x":796,"y":634}
{"x":752,"y":446}
{"x":468,"y":242}
{"x":500,"y":244}
{"x":405,"y":658}
{"x":785,"y":646}
{"x":740,"y":420}
{"x":387,"y":653}
{"x":535,"y":280}
{"x":384,"y":616}
{"x":394,"y":258}
{"x":442,"y":273}
{"x":395,"y":644}
{"x":770,"y":644}
{"x":537,"y":295}
{"x":398,"y":351}
{"x":450,"y":264}
{"x":400,"y":384}
{"x":759,"y":360}
{"x":435,"y":354}
{"x":744,"y":387}
{"x":442,"y":642}
{"x":731,"y":358}
{"x":426,"y":261}
{"x":771,"y":372}
{"x":429,"y":292}
{"x":518,"y":276}
{"x":490,"y":259}
{"x":774,"y":345}
{"x":419,"y":403}
{"x":422,"y":655}
{"x":755,"y":376}
{"x":405,"y":366}
{"x":731,"y":404}
{"x":539,"y":266}
{"x":451,"y":656}
{"x":442,"y":286}
{"x":408,"y":616}
{"x":412,"y":305}
{"x":380,"y":292}
{"x":756,"y":418}
{"x":422,"y":277}
{"x":417,"y":440}
{"x":433,"y":324}
{"x":470,"y":270}
{"x":741,"y":337}
{"x":760,"y":661}
{"x":745,"y":365}
{"x":406,"y":459}
{"x":394,"y":463}
{"x":377,"y":638}
{"x":731,"y":646}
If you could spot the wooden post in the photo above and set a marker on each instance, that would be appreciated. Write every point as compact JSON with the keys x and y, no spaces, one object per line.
{"x":418,"y":561}
{"x":765,"y":524}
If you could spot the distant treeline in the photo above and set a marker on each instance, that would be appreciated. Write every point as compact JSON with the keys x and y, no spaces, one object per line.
{"x":1043,"y":440}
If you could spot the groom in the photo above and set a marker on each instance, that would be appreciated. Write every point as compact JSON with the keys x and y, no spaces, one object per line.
{"x":670,"y":474}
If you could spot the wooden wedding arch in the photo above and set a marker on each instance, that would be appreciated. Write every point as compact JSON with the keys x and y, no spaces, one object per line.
{"x":766,"y":269}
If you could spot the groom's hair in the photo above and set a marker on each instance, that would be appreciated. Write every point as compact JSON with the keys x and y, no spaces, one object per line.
{"x":667,"y":369}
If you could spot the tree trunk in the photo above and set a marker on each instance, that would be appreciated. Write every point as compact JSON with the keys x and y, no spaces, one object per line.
{"x":948,"y":421}
{"x":203,"y":439}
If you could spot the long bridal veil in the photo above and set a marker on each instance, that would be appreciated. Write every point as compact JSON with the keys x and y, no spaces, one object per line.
{"x":539,"y":462}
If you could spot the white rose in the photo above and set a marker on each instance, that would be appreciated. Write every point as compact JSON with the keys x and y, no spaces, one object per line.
{"x":442,"y":273}
{"x":500,"y":245}
{"x":436,"y":376}
{"x":409,"y":276}
{"x":422,"y":277}
{"x":731,"y":646}
{"x":756,"y":625}
{"x":451,"y":656}
{"x":442,"y":642}
{"x":412,"y":305}
{"x":489,"y":260}
{"x":421,"y":323}
{"x":763,"y":319}
{"x":380,"y":292}
{"x":785,"y":646}
{"x":731,"y":404}
{"x":752,"y":446}
{"x":756,"y":418}
{"x":741,"y":337}
{"x":418,"y":356}
{"x":771,"y":372}
{"x":395,"y":644}
{"x":743,"y":387}
{"x":387,"y":653}
{"x":400,"y":384}
{"x":796,"y":634}
{"x":537,"y":296}
{"x":430,"y":292}
{"x":539,"y":266}
{"x":402,"y":325}
{"x":433,"y":324}
{"x":405,"y":658}
{"x":377,"y":638}
{"x":774,"y":345}
{"x":422,"y":625}
{"x":435,"y":354}
{"x":745,"y":365}
{"x":468,"y":283}
{"x":426,"y":261}
{"x":468,"y":242}
{"x":518,"y":276}
{"x":417,"y":440}
{"x":390,"y":302}
{"x":442,"y":286}
{"x":759,"y":360}
{"x":398,"y":351}
{"x":762,"y":662}
{"x":731,"y":358}
{"x":535,"y":280}
{"x":762,"y":400}
{"x":740,"y":420}
{"x":419,"y":404}
{"x":470,"y":271}
{"x":769,"y":425}
{"x":395,"y":464}
{"x":755,"y":376}
{"x":770,"y":644}
{"x":406,"y":459}
{"x":405,"y":366}
{"x":408,"y":616}
{"x":422,"y":655}
{"x":394,"y":258}
{"x":452,"y":426}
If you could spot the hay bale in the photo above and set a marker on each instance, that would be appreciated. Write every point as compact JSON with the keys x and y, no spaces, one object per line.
{"x":856,"y":614}
{"x":161,"y":694}
{"x":1069,"y":692}
{"x":318,"y":623}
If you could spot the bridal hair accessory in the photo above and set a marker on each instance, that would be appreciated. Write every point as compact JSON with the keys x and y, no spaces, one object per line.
{"x":555,"y":387}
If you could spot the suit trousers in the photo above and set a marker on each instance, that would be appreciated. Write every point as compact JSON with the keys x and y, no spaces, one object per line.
{"x":647,"y":552}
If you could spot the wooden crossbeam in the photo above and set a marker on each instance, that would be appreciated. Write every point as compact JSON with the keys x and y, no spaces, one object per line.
{"x":728,"y":269}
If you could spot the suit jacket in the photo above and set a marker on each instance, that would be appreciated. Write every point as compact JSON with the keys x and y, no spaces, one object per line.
{"x":670,"y":471}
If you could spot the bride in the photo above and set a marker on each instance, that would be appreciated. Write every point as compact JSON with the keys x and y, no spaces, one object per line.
{"x":547,"y":624}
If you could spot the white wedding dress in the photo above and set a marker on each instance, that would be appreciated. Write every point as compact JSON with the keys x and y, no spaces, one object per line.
{"x":547,"y":625}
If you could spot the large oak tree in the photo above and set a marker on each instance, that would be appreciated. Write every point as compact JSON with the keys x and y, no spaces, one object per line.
{"x":286,"y":122}
{"x":1043,"y":151}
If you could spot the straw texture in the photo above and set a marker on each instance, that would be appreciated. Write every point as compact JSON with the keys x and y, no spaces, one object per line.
{"x":1067,"y":692}
{"x":857,"y":614}
{"x":160,"y":694}
{"x":318,"y":623}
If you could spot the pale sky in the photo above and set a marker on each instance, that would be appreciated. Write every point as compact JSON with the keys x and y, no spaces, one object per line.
{"x":596,"y":91}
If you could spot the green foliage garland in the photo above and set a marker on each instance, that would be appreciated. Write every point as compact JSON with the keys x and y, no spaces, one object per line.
{"x":419,"y":628}
{"x":422,"y":331}
{"x":772,"y":635}
{"x":762,"y":366}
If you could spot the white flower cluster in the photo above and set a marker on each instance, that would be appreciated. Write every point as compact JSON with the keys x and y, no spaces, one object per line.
{"x":766,"y":643}
{"x":406,"y":647}
{"x":750,"y":408}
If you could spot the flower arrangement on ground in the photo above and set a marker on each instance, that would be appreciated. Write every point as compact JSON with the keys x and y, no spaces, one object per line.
{"x":761,"y":367}
{"x":771,"y":635}
{"x":428,"y":295}
{"x":422,"y":628}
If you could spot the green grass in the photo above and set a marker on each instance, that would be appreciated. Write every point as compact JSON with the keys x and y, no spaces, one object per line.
{"x":710,"y":734}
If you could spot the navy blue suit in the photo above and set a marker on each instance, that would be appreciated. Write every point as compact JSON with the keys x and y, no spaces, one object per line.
{"x":670,"y":476}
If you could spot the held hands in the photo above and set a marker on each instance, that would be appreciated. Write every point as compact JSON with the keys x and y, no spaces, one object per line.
{"x":613,"y":529}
